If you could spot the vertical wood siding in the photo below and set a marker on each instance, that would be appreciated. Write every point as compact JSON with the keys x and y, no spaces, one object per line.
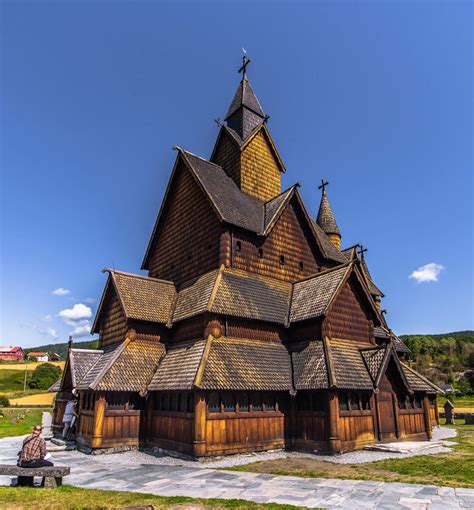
{"x":188,"y":242}
{"x":356,"y":427}
{"x":113,"y":325}
{"x":121,"y":428}
{"x":288,"y":238}
{"x":172,"y":431}
{"x":347,"y":318}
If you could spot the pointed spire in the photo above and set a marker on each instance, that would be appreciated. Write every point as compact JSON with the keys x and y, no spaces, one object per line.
{"x":245,"y":112}
{"x":326,"y":219}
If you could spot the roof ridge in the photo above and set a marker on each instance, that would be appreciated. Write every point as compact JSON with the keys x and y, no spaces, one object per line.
{"x":325,"y":271}
{"x":118,"y":351}
{"x":142,"y":276}
{"x":186,"y":152}
{"x":99,"y":351}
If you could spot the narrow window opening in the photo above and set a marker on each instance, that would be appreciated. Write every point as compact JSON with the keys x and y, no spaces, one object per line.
{"x":239,"y":246}
{"x":282,"y":260}
{"x":343,"y":402}
{"x":243,"y":402}
{"x":301,"y":265}
{"x":260,"y":253}
{"x":229,"y":402}
{"x":214,"y":403}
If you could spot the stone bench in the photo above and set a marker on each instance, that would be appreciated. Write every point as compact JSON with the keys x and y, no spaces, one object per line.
{"x":52,"y":475}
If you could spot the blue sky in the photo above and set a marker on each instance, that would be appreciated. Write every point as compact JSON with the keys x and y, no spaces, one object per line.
{"x":374,"y":96}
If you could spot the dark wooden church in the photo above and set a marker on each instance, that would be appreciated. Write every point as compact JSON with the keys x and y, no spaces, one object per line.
{"x":253,"y":330}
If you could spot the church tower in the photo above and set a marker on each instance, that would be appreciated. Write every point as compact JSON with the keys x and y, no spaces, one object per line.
{"x":326,"y":219}
{"x":244,"y":147}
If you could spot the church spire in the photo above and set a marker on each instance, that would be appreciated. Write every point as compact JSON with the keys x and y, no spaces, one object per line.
{"x":245,"y":112}
{"x":326,"y":219}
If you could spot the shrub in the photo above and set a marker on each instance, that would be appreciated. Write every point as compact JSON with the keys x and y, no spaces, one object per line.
{"x":44,"y":376}
{"x":4,"y":402}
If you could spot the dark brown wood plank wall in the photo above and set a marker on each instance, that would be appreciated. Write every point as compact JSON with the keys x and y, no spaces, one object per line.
{"x":113,"y":325}
{"x":188,"y":242}
{"x":347,"y":318}
{"x":287,"y":239}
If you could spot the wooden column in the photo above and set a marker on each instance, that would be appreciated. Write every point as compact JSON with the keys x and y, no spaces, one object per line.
{"x":395,"y":415}
{"x":377,"y":415}
{"x":99,"y":416}
{"x":149,"y":416}
{"x":333,"y":417}
{"x":199,"y":443}
{"x":436,"y":410}
{"x":426,"y":414}
{"x":292,"y":419}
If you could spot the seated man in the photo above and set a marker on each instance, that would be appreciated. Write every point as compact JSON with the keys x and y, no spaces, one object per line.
{"x":33,"y":453}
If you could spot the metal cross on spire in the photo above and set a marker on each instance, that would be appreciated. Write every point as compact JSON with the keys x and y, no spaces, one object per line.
{"x":323,"y":185}
{"x":245,"y":63}
{"x":362,"y":250}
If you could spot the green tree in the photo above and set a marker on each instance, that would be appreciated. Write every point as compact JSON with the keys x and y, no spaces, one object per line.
{"x":44,"y":376}
{"x":463,"y":386}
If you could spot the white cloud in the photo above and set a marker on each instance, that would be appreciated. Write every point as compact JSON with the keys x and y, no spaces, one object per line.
{"x":82,"y":329}
{"x":47,"y":318}
{"x":49,"y":332}
{"x":90,"y":300}
{"x":74,"y":315}
{"x":427,"y":273}
{"x":61,"y":292}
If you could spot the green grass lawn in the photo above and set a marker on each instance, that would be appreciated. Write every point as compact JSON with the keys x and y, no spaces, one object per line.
{"x":13,"y":380}
{"x":67,"y":497}
{"x":16,"y":422}
{"x":454,"y":470}
{"x":459,"y":402}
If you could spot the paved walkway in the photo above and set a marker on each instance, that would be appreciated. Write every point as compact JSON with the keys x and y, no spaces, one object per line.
{"x":116,"y":473}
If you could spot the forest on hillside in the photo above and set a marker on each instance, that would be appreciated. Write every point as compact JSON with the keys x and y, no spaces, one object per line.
{"x":445,"y":358}
{"x":61,"y":349}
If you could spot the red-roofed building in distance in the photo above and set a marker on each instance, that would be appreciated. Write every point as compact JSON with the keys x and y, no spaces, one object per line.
{"x":39,"y":355}
{"x":12,"y":353}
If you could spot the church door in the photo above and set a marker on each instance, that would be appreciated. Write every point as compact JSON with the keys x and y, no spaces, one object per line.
{"x":386,"y":401}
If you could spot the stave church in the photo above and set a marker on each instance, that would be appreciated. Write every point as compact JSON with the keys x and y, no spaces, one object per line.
{"x":254,"y":329}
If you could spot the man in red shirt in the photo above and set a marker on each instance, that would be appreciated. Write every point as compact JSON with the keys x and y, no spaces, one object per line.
{"x":33,"y":453}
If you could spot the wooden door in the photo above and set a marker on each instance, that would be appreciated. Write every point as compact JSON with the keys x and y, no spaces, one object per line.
{"x":388,"y":429}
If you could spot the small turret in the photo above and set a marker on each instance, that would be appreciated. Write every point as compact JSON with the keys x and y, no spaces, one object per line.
{"x":326,"y":219}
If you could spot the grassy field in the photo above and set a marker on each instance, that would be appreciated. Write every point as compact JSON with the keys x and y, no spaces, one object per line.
{"x":34,"y":400}
{"x":13,"y":380}
{"x":67,"y":497}
{"x":16,"y":422}
{"x":461,"y":404}
{"x":29,"y":365}
{"x":454,"y":470}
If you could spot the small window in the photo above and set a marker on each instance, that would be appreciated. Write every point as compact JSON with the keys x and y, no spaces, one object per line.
{"x":174,"y":401}
{"x":229,"y":402}
{"x":417,"y":402}
{"x":365,"y":401}
{"x":256,"y":402}
{"x":354,"y":400}
{"x":214,"y":402}
{"x":183,"y":402}
{"x":318,"y":402}
{"x":190,"y":406}
{"x":260,"y":253}
{"x":301,"y":265}
{"x":238,"y":246}
{"x":304,"y":402}
{"x":282,"y":260}
{"x":343,"y":402}
{"x":243,"y":402}
{"x":269,"y":402}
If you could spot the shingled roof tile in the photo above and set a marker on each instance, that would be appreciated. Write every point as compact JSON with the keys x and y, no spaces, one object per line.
{"x":349,"y":368}
{"x":238,"y":364}
{"x":309,"y":365}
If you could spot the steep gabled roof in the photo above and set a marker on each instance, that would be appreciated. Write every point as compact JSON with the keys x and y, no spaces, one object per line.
{"x":245,"y":96}
{"x":141,"y":297}
{"x":418,"y":382}
{"x":312,"y":296}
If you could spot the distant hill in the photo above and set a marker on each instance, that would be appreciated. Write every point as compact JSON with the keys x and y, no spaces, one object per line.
{"x":61,"y":349}
{"x":444,"y":357}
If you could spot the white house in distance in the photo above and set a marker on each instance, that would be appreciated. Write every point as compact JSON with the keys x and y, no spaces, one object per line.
{"x":39,"y":355}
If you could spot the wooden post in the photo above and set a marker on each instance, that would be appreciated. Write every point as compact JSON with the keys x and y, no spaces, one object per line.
{"x":292,"y":433}
{"x":436,"y":410}
{"x":333,"y":417}
{"x":149,"y":416}
{"x":99,"y":417}
{"x":395,"y":415}
{"x":426,"y":413}
{"x":199,"y":443}
{"x":377,"y":413}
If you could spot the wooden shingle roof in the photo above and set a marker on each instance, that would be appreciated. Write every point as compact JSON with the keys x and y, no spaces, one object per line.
{"x":326,"y":219}
{"x":309,"y":366}
{"x":417,"y":382}
{"x":81,"y":361}
{"x":238,"y":364}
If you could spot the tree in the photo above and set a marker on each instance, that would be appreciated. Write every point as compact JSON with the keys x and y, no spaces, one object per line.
{"x":463,"y":386}
{"x":44,"y":376}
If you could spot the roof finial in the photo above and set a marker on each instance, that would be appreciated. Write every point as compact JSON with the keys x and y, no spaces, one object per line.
{"x":362,"y":250}
{"x":245,"y":63}
{"x":323,"y":185}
